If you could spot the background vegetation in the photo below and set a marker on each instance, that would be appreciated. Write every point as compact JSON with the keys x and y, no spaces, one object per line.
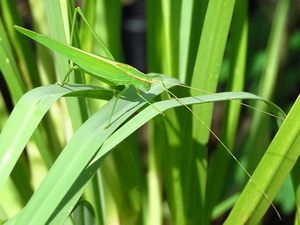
{"x":169,"y":171}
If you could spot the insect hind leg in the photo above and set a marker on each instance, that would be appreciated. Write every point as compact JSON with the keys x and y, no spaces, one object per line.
{"x":106,"y":52}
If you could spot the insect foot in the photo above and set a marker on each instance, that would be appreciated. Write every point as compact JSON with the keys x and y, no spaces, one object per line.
{"x":60,"y":84}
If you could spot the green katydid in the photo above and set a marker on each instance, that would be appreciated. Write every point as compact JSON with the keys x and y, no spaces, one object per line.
{"x":103,"y":69}
{"x":111,"y":72}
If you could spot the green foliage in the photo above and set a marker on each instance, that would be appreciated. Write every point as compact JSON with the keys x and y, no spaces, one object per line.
{"x":58,"y":159}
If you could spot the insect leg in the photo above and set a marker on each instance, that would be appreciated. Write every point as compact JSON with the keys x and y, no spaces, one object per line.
{"x":139,"y":94}
{"x":66,"y":78}
{"x":114,"y":106}
{"x":106,"y":52}
{"x":158,"y":75}
{"x":118,"y":97}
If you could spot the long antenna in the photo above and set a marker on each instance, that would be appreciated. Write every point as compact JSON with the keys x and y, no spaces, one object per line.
{"x":244,"y":104}
{"x":222,"y":143}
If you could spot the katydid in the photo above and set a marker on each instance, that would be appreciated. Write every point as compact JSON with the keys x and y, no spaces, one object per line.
{"x":103,"y":69}
{"x":115,"y":74}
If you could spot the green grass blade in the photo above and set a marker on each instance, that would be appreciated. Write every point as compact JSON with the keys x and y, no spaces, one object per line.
{"x":185,"y":179}
{"x":127,"y":188}
{"x":271,"y":172}
{"x":164,"y":29}
{"x":209,"y":58}
{"x":59,"y":29}
{"x":49,"y":98}
{"x":84,"y":214}
{"x":142,"y":118}
{"x":16,"y":86}
{"x":43,"y":56}
{"x":3,"y":111}
{"x":171,"y":20}
{"x":58,"y":23}
{"x":25,"y":119}
{"x":108,"y":24}
{"x":238,"y":56}
{"x":168,"y":104}
{"x":154,"y":36}
{"x":98,"y":199}
{"x":106,"y":52}
{"x":191,"y":21}
{"x":86,"y":37}
{"x":268,"y":80}
{"x":296,"y":184}
{"x":185,"y":33}
{"x":205,"y":77}
{"x":154,"y":200}
{"x":81,"y":148}
{"x":78,"y":152}
{"x":21,"y":46}
{"x":8,"y":66}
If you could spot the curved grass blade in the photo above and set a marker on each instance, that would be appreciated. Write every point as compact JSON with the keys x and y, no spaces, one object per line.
{"x":128,"y":128}
{"x":23,"y":121}
{"x":26,"y":117}
{"x":271,"y":172}
{"x":84,"y":214}
{"x":87,"y":137}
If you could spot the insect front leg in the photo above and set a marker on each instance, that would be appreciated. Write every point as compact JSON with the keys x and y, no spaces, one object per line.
{"x":114,"y":106}
{"x":139,"y":94}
